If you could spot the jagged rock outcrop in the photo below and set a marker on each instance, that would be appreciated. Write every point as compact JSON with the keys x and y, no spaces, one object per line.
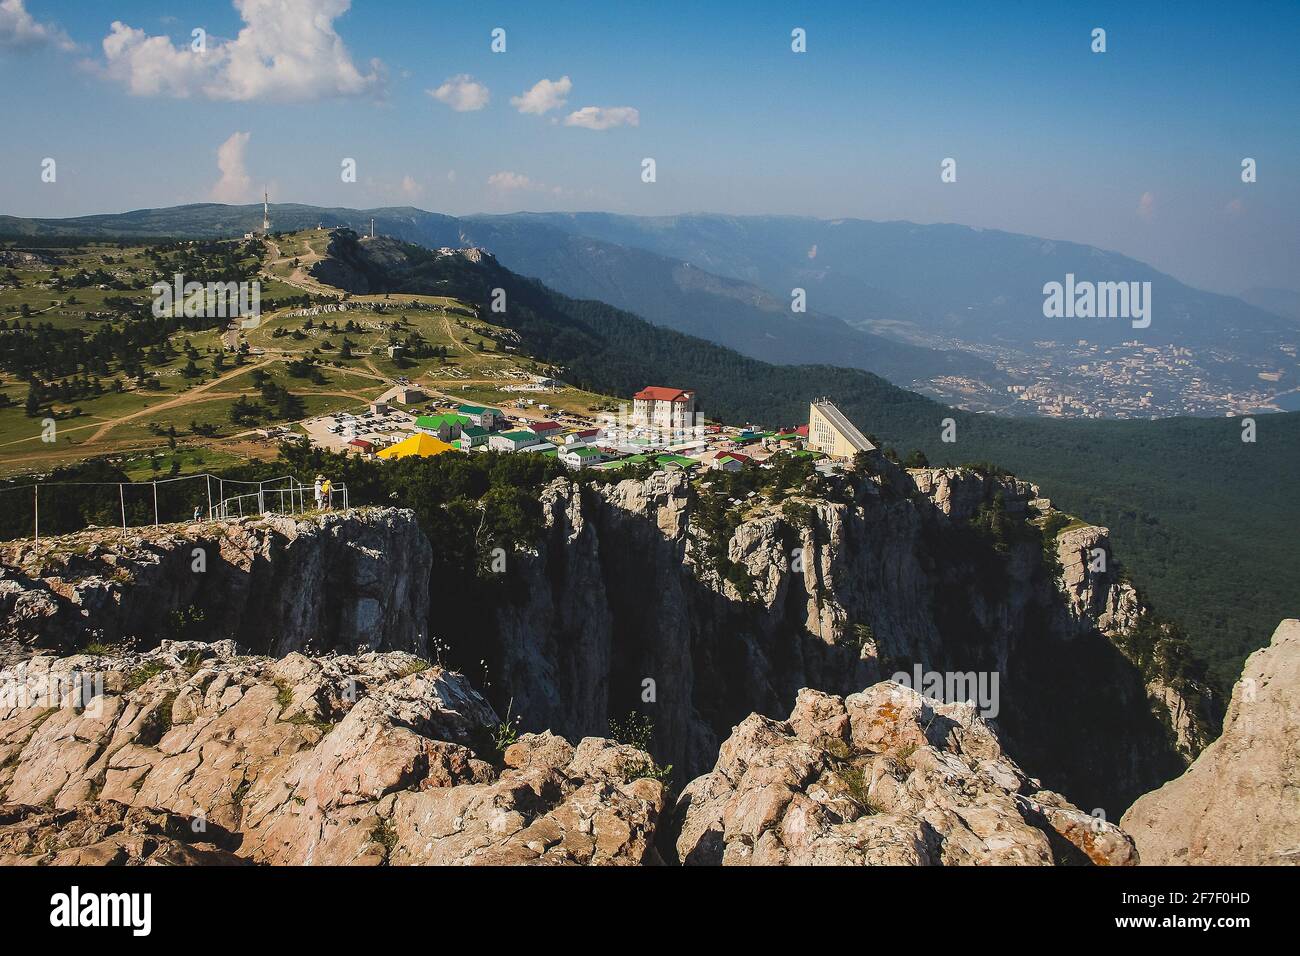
{"x":105,"y":833}
{"x":960,"y":492}
{"x":1239,"y":802}
{"x":1094,"y":598}
{"x":369,"y":759}
{"x":883,"y":777}
{"x":837,"y":592}
{"x":275,"y":584}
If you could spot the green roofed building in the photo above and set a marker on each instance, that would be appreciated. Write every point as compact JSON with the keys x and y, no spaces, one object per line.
{"x":446,"y":427}
{"x":582,"y":456}
{"x":676,"y":461}
{"x":488,"y":418}
{"x":472,"y":436}
{"x":514,"y":441}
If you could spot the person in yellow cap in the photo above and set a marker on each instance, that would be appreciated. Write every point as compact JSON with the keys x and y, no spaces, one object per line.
{"x":327,"y":489}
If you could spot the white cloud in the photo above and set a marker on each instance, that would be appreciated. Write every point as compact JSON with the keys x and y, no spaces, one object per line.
{"x":20,"y":30}
{"x":233,"y":186}
{"x":462,"y":93}
{"x":544,"y":96}
{"x":286,"y":50}
{"x":1146,"y":208}
{"x":507,"y":182}
{"x":410,"y":188}
{"x":603,"y":117}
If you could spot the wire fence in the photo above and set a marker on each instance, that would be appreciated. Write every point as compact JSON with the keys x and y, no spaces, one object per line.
{"x":62,"y":507}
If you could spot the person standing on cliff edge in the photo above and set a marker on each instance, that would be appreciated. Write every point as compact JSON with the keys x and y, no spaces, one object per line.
{"x":316,"y":490}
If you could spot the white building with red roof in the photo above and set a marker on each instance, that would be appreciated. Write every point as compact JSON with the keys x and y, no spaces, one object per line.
{"x":658,"y":407}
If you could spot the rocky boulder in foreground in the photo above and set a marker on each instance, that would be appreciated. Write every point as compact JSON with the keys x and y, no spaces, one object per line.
{"x":106,"y":834}
{"x":884,"y":777}
{"x":1239,"y":803}
{"x":195,"y":754}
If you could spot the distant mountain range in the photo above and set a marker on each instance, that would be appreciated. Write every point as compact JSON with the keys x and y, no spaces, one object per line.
{"x":948,"y":310}
{"x":668,"y":291}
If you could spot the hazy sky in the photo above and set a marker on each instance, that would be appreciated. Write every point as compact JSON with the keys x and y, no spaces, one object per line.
{"x":1137,"y":149}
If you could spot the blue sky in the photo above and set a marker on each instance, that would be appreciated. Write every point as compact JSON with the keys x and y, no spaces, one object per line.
{"x":1137,"y":149}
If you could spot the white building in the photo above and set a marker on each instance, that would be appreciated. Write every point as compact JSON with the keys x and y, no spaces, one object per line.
{"x":831,"y":433}
{"x":583,"y":456}
{"x":517,"y":441}
{"x":659,"y":407}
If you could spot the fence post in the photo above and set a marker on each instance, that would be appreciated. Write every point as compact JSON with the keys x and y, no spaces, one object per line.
{"x":155,"y":504}
{"x":36,"y":512}
{"x":207,"y":483}
{"x":121,"y":494}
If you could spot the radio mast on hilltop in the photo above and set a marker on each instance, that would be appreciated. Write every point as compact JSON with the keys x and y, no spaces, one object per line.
{"x":266,"y":215}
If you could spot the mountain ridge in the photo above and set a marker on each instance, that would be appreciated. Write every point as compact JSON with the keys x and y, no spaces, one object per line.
{"x":949,"y":309}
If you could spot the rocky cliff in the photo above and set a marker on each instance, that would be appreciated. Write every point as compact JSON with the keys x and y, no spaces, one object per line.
{"x":1239,"y":803}
{"x":192,"y":753}
{"x":884,"y":777}
{"x":679,"y":600}
{"x":274,"y":584}
{"x":619,"y":609}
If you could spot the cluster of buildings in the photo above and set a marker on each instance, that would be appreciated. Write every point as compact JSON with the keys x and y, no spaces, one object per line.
{"x":662,"y":427}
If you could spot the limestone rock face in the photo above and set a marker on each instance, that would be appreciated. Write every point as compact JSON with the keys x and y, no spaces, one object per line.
{"x":368,"y":759}
{"x":836,"y":592}
{"x":344,"y":582}
{"x":959,"y":492}
{"x":105,"y":833}
{"x":1239,"y":802}
{"x":884,"y":777}
{"x":1094,"y":598}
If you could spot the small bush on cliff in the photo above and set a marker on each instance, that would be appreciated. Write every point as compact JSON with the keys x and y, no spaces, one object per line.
{"x":800,"y":514}
{"x":638,"y":730}
{"x":634,"y":730}
{"x":856,"y":636}
{"x":993,"y":525}
{"x":185,"y":624}
{"x":143,"y":674}
{"x":1053,"y":524}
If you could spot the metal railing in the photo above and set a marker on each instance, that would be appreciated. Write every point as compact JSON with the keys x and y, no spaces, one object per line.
{"x":281,"y":496}
{"x":284,"y":495}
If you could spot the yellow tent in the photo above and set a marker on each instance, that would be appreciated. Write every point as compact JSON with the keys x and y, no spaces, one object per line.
{"x":418,"y":444}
